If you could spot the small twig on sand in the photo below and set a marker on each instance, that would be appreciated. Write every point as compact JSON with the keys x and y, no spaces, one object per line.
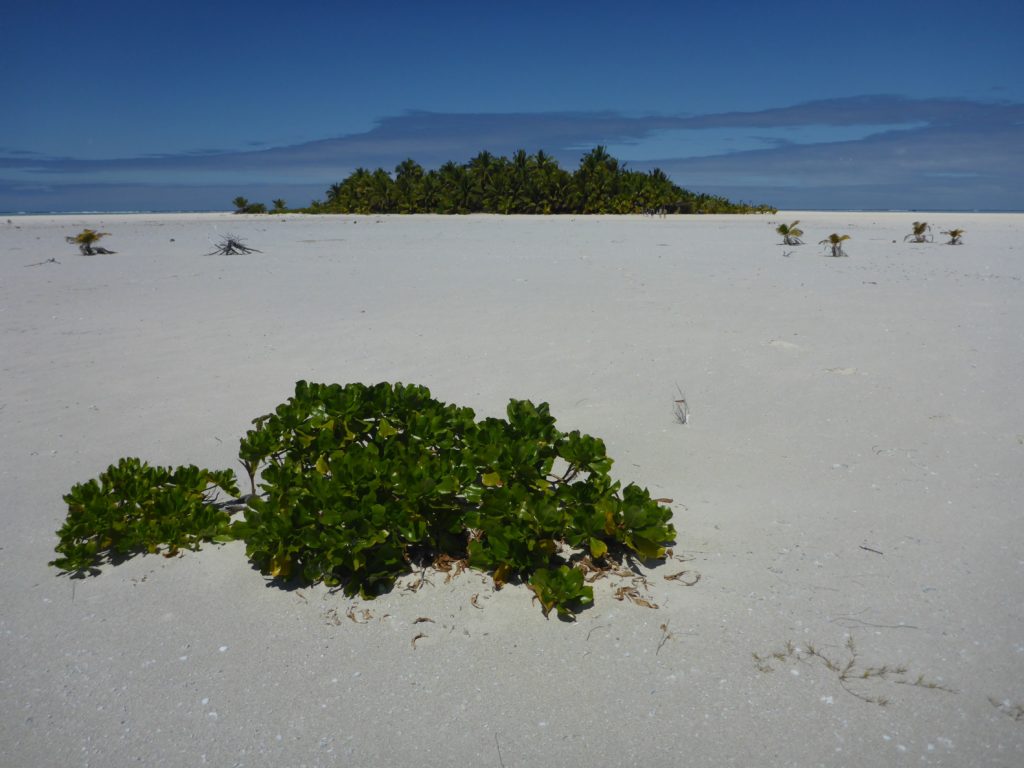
{"x":40,"y":263}
{"x":850,"y":673}
{"x":680,"y":407}
{"x":665,"y":637}
{"x":869,"y":549}
{"x":496,"y":744}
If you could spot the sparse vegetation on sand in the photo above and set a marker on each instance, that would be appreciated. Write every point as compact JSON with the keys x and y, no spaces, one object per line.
{"x":86,"y":241}
{"x":955,"y":236}
{"x":835,"y":242}
{"x":920,"y":233}
{"x":791,"y":233}
{"x":232,"y":245}
{"x":851,"y":675}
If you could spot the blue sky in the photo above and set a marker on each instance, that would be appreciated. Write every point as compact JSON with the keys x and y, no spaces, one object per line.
{"x":184,"y":105}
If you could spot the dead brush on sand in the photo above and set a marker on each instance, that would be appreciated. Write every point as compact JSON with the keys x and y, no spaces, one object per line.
{"x":232,"y":245}
{"x":849,"y":673}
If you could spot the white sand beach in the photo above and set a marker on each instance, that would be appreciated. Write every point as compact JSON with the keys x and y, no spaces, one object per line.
{"x":852,"y":468}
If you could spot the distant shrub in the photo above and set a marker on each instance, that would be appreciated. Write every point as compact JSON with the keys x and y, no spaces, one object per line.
{"x":242,"y":205}
{"x":520,"y":184}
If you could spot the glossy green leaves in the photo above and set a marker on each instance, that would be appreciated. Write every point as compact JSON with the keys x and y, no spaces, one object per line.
{"x":561,"y":588}
{"x":133,"y":507}
{"x":360,"y":483}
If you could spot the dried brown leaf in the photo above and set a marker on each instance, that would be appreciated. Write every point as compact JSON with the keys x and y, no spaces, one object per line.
{"x":682,"y":578}
{"x":363,"y":616}
{"x":631,"y":594}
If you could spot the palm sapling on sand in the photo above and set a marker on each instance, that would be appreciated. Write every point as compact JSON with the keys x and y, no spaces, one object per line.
{"x":836,"y":243}
{"x":791,"y":233}
{"x":919,"y":235}
{"x":955,"y":236}
{"x":86,"y":241}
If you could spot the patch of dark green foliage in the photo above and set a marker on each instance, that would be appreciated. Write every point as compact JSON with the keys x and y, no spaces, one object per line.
{"x":360,"y":484}
{"x":522,"y":184}
{"x":133,"y":507}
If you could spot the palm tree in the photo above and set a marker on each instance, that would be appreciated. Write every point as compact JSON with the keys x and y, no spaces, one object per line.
{"x":482,"y":171}
{"x":240,"y":204}
{"x":836,"y":242}
{"x":954,"y":236}
{"x":383,"y":192}
{"x":334,"y":192}
{"x":791,"y":233}
{"x":85,"y":241}
{"x":918,"y":235}
{"x":454,"y":188}
{"x":279,"y":205}
{"x":409,"y":186}
{"x":596,"y":180}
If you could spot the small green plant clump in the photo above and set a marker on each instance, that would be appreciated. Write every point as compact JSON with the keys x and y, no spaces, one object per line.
{"x":360,"y":484}
{"x":133,"y":507}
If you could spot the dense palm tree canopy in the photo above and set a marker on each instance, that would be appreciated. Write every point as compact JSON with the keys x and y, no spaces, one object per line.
{"x":524,"y":183}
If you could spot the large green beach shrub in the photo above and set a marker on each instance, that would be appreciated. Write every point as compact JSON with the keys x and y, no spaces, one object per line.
{"x":360,"y":484}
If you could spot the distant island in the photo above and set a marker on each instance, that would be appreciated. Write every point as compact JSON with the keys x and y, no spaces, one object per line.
{"x":522,"y":184}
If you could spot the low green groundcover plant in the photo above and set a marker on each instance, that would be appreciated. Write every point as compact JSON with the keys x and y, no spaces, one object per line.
{"x":134,"y":507}
{"x":360,"y":484}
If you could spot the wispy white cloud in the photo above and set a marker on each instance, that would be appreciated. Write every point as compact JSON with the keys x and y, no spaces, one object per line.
{"x":889,"y":150}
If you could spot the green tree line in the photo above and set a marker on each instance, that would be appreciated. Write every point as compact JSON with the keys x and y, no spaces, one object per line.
{"x":524,"y":183}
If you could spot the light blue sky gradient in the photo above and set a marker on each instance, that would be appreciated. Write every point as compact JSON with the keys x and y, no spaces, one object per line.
{"x":184,"y":105}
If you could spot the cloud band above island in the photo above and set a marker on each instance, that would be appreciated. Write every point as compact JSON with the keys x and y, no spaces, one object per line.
{"x":869,"y":152}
